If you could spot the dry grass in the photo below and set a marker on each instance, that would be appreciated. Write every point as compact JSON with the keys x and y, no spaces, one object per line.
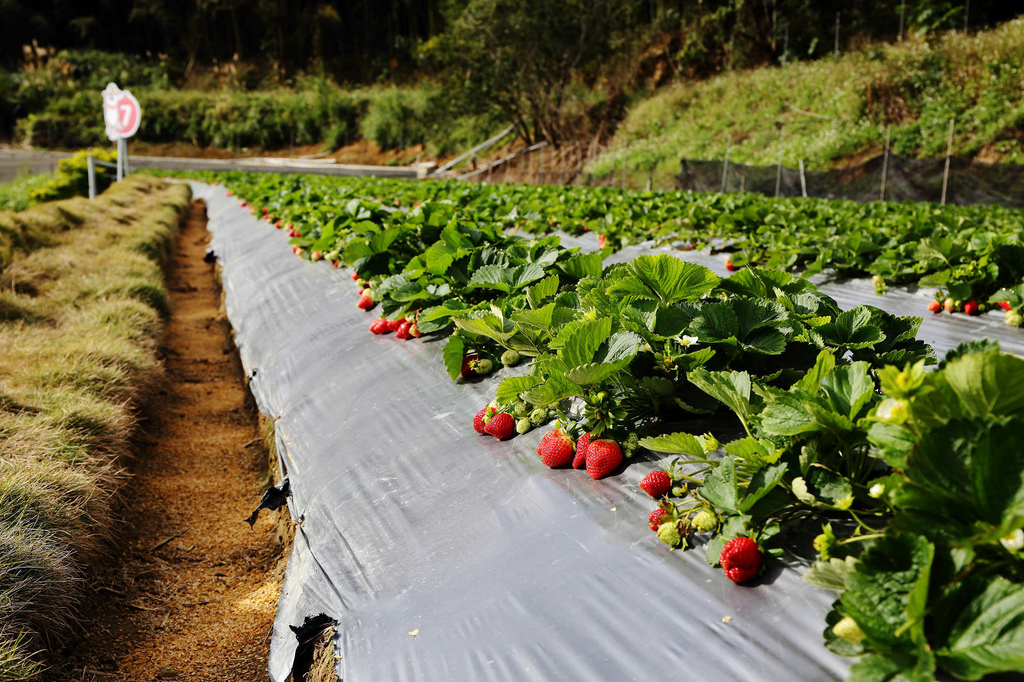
{"x":81,"y":306}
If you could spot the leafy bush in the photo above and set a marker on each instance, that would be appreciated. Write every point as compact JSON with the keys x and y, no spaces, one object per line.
{"x":72,"y":177}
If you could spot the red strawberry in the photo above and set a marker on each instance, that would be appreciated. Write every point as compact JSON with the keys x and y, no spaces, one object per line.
{"x":244,"y":204}
{"x":478,"y":421}
{"x":971,"y":308}
{"x":654,"y":519}
{"x":277,"y":224}
{"x":395,"y":324}
{"x":355,"y":275}
{"x":336,"y":263}
{"x":315,"y":256}
{"x":379,"y":326}
{"x":603,"y":457}
{"x":414,"y":331}
{"x":729,"y":266}
{"x":582,"y":443}
{"x":934,"y":306}
{"x":365,"y":302}
{"x":1005,"y":305}
{"x":265,"y":211}
{"x":230,"y":192}
{"x":601,"y":239}
{"x":467,"y":365}
{"x":501,"y":426}
{"x":740,"y":559}
{"x":555,"y":449}
{"x":403,"y":331}
{"x":656,"y":484}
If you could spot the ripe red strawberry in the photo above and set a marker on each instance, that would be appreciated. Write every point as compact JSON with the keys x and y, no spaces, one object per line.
{"x":654,"y":519}
{"x":467,"y":365}
{"x":656,"y":484}
{"x":379,"y":326}
{"x":365,"y":302}
{"x":729,"y":266}
{"x":934,"y":306}
{"x":582,"y":443}
{"x":403,"y":331}
{"x":478,"y":421}
{"x":395,"y":324}
{"x":244,"y":204}
{"x":1005,"y":305}
{"x":971,"y":308}
{"x":555,"y":449}
{"x":336,"y":263}
{"x":265,"y":211}
{"x":501,"y":426}
{"x":355,"y":275}
{"x":603,"y":457}
{"x":740,"y":559}
{"x":277,"y":224}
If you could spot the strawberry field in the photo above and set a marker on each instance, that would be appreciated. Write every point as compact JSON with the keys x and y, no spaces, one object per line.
{"x":766,"y":425}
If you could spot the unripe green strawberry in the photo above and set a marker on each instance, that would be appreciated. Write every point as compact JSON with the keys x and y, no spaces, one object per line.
{"x":510,"y":358}
{"x":822,"y":544}
{"x":523,"y":425}
{"x":539,"y":416}
{"x":848,"y":629}
{"x":709,"y":443}
{"x":669,"y":534}
{"x":521,"y":410}
{"x":1013,"y":318}
{"x":879,"y":283}
{"x":483,"y":366}
{"x":705,"y":521}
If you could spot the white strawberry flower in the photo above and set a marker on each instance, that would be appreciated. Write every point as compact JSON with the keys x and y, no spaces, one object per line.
{"x":1013,"y":542}
{"x":877,"y":490}
{"x":689,"y":340}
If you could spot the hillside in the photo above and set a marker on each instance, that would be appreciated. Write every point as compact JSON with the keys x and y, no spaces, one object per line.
{"x":831,"y":113}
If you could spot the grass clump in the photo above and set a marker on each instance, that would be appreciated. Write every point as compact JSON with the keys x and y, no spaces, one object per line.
{"x":830,"y":112}
{"x":80,"y":314}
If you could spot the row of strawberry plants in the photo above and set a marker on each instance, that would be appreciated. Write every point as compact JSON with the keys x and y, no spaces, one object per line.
{"x":634,"y":349}
{"x":971,"y":254}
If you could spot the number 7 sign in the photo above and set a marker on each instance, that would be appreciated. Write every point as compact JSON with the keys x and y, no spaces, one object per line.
{"x":121,"y":112}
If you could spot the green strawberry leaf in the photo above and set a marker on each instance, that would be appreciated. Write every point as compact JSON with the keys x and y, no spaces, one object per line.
{"x":582,"y":343}
{"x":918,"y":666}
{"x":750,"y":449}
{"x":720,"y":487}
{"x":582,"y":265}
{"x":887,"y":592}
{"x":541,"y":291}
{"x":453,"y":353}
{"x":510,"y":388}
{"x":831,"y":574}
{"x":681,"y":443}
{"x":980,"y":627}
{"x":596,"y":372}
{"x":668,"y":278}
{"x":851,"y":330}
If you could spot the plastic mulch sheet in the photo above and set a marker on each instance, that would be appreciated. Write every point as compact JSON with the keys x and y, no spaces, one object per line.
{"x":444,"y":555}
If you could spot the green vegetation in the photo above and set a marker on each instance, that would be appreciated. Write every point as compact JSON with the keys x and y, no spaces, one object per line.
{"x":17,"y":194}
{"x":71,"y":179}
{"x":916,"y":475}
{"x":81,"y":300}
{"x":829,"y":111}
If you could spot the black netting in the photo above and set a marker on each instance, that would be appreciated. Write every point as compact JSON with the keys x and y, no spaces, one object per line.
{"x":970,"y":182}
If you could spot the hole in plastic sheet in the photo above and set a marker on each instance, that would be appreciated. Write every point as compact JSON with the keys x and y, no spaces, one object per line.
{"x":314,"y":656}
{"x":274,"y":498}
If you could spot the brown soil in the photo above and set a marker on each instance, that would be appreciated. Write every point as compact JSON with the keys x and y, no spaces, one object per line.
{"x":192,"y":593}
{"x":360,"y":152}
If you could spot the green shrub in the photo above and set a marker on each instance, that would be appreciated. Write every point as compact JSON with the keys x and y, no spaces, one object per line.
{"x":72,"y":176}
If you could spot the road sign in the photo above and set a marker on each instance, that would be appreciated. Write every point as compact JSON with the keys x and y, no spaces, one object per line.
{"x":121,"y":112}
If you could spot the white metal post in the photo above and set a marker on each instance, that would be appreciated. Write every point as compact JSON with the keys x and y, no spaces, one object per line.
{"x":120,"y":159}
{"x":92,"y":176}
{"x":945,"y":172}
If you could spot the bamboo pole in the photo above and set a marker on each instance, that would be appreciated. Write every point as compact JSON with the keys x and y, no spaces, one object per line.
{"x":725,"y":166}
{"x":945,"y":172}
{"x":885,"y":162}
{"x":803,"y":180}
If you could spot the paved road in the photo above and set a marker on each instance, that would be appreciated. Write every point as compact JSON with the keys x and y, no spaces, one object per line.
{"x":15,"y":162}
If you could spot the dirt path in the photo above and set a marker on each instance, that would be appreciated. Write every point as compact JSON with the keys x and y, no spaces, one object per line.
{"x":193,"y":593}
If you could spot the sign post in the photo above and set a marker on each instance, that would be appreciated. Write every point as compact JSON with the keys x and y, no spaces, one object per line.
{"x":122,"y":115}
